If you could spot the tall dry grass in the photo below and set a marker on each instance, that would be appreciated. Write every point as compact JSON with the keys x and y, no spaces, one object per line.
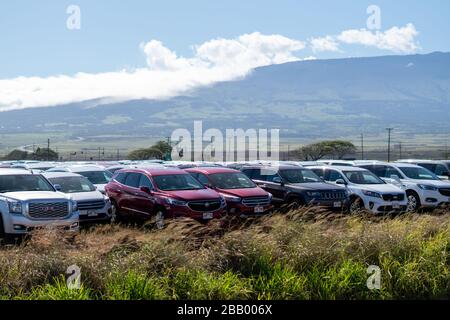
{"x":306,"y":254}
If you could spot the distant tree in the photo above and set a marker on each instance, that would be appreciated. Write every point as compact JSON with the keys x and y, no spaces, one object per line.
{"x":334,"y":148}
{"x":159,"y":150}
{"x":17,"y":155}
{"x":44,"y":154}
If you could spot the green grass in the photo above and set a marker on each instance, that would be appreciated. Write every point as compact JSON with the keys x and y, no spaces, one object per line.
{"x":302,"y":255}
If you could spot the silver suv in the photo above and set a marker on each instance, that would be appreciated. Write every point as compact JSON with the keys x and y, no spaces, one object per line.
{"x":29,"y":201}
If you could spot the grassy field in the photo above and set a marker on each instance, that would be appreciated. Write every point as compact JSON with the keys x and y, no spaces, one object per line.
{"x":308,"y":254}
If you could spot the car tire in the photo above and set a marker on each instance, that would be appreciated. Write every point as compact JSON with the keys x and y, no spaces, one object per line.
{"x":356,"y":205}
{"x":413,"y":201}
{"x":159,"y":219}
{"x":295,"y":203}
{"x":2,"y":228}
{"x":115,"y":215}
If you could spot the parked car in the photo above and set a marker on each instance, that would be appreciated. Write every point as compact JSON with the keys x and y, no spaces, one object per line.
{"x":160,"y":193}
{"x":93,"y":206}
{"x":243,"y":196}
{"x":97,"y":175}
{"x":29,"y":201}
{"x":34,"y":166}
{"x":365,"y":189}
{"x":439,"y":168}
{"x":423,"y":188}
{"x":298,"y":186}
{"x":342,"y":163}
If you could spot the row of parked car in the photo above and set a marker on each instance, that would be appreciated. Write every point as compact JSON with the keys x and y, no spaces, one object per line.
{"x":36,"y":194}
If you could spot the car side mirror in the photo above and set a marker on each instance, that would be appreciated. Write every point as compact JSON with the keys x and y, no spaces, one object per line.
{"x":395,"y":177}
{"x":340,"y":181}
{"x":145,"y":190}
{"x":57,"y":187}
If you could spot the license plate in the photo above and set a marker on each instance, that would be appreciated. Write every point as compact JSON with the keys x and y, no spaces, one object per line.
{"x":208,"y":215}
{"x":396,"y":206}
{"x":259,"y":209}
{"x":92,"y":213}
{"x":337,"y":204}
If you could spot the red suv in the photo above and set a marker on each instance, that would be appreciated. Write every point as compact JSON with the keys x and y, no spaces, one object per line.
{"x":159,"y":193}
{"x":242,"y":195}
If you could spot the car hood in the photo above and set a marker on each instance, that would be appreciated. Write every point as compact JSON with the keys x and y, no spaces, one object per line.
{"x":202,"y":194}
{"x":246,"y":192}
{"x":35,"y":195}
{"x":321,"y":186}
{"x":381,"y":188}
{"x":85,"y":196}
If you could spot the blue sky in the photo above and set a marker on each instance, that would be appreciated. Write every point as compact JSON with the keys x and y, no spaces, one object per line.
{"x":35,"y":40}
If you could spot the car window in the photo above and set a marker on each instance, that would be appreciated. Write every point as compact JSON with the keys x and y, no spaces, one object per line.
{"x":267,"y":175}
{"x":14,"y":183}
{"x":120,"y":177}
{"x":362,"y":177}
{"x":300,"y":175}
{"x":133,"y":179}
{"x":73,"y":184}
{"x":320,"y":173}
{"x":334,"y":175}
{"x":174,"y":182}
{"x":97,"y":177}
{"x":438,"y":169}
{"x":231,"y":180}
{"x":418,"y":173}
{"x":202,"y":178}
{"x":145,"y":182}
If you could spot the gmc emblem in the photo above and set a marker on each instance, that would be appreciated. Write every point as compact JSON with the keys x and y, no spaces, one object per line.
{"x":48,"y":209}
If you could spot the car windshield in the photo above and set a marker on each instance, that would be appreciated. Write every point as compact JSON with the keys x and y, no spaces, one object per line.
{"x":299,"y":176}
{"x":73,"y":184}
{"x":14,"y":183}
{"x":231,"y":180}
{"x":418,"y":173}
{"x":363,"y":177}
{"x":177,"y":182}
{"x":97,"y":177}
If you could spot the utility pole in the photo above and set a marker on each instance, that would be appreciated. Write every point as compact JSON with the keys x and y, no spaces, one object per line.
{"x":288,"y":153}
{"x":389,"y":143}
{"x":48,"y":149}
{"x":99,"y":152}
{"x":362,"y":146}
{"x":400,"y":147}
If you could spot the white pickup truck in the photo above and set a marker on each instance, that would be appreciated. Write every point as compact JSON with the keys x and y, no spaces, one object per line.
{"x":29,"y":201}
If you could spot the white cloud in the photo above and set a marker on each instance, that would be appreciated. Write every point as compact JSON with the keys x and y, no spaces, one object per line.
{"x":327,"y":43}
{"x":396,"y":39}
{"x":167,"y":74}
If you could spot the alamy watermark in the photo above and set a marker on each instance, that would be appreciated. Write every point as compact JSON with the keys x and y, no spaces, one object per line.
{"x":230,"y":145}
{"x":374,"y":20}
{"x":74,"y":277}
{"x":73,"y":22}
{"x":374,"y":280}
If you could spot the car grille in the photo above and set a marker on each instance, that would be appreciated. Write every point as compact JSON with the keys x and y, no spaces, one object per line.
{"x":91,"y":205}
{"x":256,"y":201}
{"x":205,"y":206}
{"x":332,"y":195}
{"x":393,"y":197}
{"x":48,"y":210}
{"x":445,"y":192}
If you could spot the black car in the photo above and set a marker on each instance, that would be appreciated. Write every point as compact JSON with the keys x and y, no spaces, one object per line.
{"x":298,"y":186}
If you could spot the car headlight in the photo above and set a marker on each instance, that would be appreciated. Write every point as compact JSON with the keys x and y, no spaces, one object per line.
{"x":313,"y":194}
{"x":231,"y":198}
{"x":371,"y":194}
{"x":427,"y":187}
{"x":175,"y":202}
{"x":74,"y":205}
{"x":15,"y":207}
{"x":106,"y":198}
{"x":270,"y":196}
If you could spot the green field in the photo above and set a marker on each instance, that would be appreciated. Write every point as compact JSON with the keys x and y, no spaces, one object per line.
{"x":302,"y":255}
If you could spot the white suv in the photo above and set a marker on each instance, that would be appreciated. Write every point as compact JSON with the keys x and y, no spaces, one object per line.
{"x":29,"y":201}
{"x":423,"y":188}
{"x":365,"y":189}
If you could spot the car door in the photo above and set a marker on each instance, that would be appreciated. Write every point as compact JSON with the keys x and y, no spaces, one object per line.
{"x":130,"y":186}
{"x":265,"y":178}
{"x":138,"y":202}
{"x":115,"y":190}
{"x":143,"y":202}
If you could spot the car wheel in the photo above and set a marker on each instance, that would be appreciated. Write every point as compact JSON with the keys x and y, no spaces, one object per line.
{"x":413,"y":201}
{"x":115,"y":216}
{"x":295,"y":203}
{"x":2,"y":229}
{"x":159,"y":219}
{"x":356,"y":205}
